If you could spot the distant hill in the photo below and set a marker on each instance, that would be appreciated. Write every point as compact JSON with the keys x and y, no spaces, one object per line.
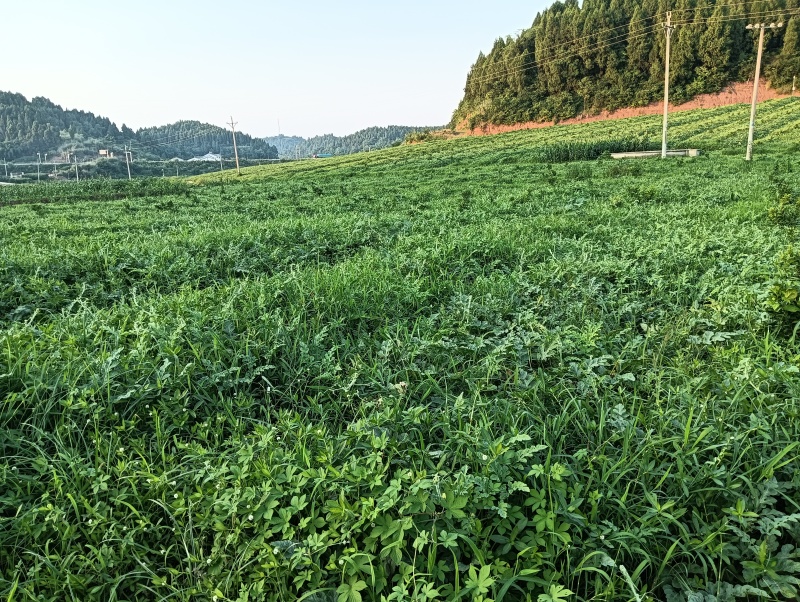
{"x":372,"y":138}
{"x":582,"y":58}
{"x":41,"y":126}
{"x":286,"y":145}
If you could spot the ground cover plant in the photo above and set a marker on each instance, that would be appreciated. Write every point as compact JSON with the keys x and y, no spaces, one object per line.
{"x":459,"y":370}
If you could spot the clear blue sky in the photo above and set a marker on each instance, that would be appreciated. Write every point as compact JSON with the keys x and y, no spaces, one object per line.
{"x":318,"y":66}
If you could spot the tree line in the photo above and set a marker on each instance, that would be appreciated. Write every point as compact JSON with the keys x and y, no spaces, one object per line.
{"x":28,"y":127}
{"x":608,"y":54}
{"x":372,"y":138}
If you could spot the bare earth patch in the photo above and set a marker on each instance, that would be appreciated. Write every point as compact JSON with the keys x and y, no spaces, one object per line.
{"x":736,"y":93}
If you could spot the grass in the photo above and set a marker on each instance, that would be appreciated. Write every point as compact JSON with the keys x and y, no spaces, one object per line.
{"x":446,"y":371}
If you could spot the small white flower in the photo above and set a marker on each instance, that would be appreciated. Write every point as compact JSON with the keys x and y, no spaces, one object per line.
{"x":121,"y":449}
{"x":484,"y":457}
{"x":444,"y":496}
{"x":89,"y":521}
{"x":275,"y":550}
{"x":116,"y":413}
{"x":173,"y":483}
{"x":250,"y":517}
{"x":208,"y":561}
{"x":175,"y":495}
{"x":341,"y":561}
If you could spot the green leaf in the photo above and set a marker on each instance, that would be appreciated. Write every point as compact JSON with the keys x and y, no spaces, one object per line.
{"x":557,"y":593}
{"x":349,"y":592}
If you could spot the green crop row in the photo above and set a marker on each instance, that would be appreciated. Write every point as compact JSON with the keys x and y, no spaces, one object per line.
{"x":96,"y":190}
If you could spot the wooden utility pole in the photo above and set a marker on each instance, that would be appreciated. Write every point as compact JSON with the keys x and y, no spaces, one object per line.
{"x":235,"y":151}
{"x":668,"y":29}
{"x":128,"y":159}
{"x":794,"y":85}
{"x":761,"y":27}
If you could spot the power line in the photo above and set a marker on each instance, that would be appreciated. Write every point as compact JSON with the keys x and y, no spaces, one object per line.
{"x":183,"y":138}
{"x":614,"y":40}
{"x":564,"y":56}
{"x":619,"y":38}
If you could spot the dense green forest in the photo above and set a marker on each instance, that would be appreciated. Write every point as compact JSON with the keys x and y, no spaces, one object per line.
{"x":372,"y":138}
{"x":606,"y":54}
{"x":41,"y":126}
{"x":286,"y":145}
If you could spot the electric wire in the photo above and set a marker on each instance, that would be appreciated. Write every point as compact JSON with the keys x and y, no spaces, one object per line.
{"x":619,"y":38}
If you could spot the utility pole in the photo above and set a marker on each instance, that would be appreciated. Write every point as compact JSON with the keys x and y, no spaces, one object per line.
{"x":760,"y":27}
{"x":220,"y":160}
{"x":38,"y":167}
{"x":668,"y":29}
{"x":128,"y":159}
{"x":794,"y":85}
{"x":77,"y":177}
{"x":235,"y":151}
{"x":5,"y":164}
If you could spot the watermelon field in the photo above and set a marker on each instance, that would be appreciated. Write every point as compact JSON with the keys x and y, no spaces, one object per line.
{"x":502,"y":368}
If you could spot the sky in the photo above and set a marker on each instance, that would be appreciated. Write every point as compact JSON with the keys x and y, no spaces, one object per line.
{"x":313,"y":66}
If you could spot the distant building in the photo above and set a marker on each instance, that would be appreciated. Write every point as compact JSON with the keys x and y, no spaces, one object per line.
{"x":207,"y":157}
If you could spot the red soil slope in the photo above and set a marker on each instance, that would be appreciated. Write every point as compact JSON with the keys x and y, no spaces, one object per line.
{"x":733,"y":94}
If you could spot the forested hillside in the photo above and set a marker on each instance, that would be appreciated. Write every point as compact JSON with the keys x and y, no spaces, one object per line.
{"x":607,"y":54}
{"x":286,"y":145}
{"x":41,"y":126}
{"x":372,"y":138}
{"x":186,"y":139}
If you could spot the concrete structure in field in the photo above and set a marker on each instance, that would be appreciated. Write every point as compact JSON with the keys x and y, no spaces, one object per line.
{"x":685,"y":152}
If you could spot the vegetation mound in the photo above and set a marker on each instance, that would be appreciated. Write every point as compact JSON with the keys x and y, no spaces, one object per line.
{"x":453,"y":370}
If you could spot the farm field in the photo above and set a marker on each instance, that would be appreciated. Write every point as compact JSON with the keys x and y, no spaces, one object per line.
{"x":499,"y":368}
